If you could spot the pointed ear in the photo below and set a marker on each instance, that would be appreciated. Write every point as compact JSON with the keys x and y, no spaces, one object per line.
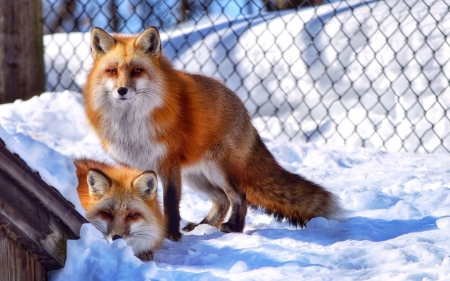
{"x":147,"y":184}
{"x":98,"y":183}
{"x":101,"y":42}
{"x":149,"y":41}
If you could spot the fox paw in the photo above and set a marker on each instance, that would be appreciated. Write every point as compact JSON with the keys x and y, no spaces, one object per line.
{"x":190,"y":226}
{"x":229,"y":227}
{"x":147,"y":256}
{"x":175,"y":236}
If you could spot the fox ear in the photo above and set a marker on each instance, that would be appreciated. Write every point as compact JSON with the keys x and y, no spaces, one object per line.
{"x":101,"y":42}
{"x":149,"y":41}
{"x":147,"y":184}
{"x":98,"y":183}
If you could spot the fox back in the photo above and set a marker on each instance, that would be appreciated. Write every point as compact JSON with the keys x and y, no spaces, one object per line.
{"x":121,"y":202}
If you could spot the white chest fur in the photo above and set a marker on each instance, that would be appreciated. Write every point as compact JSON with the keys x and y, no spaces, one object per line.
{"x":132,"y":138}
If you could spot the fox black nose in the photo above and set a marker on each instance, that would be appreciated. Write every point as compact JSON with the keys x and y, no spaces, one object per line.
{"x":122,"y":91}
{"x":115,"y":237}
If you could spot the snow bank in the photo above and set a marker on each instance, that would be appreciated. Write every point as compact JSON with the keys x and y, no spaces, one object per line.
{"x":87,"y":260}
{"x":54,"y":168}
{"x":397,"y":228}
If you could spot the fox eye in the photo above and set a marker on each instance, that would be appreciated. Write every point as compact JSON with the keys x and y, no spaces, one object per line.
{"x":107,"y":214}
{"x":111,"y":71}
{"x":137,"y":71}
{"x":132,"y":215}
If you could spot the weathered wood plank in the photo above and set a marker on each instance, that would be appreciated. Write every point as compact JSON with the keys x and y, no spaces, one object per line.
{"x":24,"y":220}
{"x":22,"y":73}
{"x":17,"y":264}
{"x":47,"y":195}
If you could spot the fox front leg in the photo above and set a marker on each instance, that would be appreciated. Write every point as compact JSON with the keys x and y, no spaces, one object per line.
{"x":147,"y":256}
{"x":172,"y":195}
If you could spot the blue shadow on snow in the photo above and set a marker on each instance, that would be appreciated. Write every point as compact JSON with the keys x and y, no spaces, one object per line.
{"x":356,"y":228}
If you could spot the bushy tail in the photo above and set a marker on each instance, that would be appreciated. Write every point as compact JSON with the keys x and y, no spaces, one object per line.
{"x":286,"y":195}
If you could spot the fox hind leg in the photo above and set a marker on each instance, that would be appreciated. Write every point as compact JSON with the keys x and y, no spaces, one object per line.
{"x":236,"y":222}
{"x":219,"y":176}
{"x":219,"y":199}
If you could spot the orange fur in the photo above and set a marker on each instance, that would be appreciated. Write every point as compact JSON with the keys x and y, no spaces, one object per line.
{"x":192,"y":127}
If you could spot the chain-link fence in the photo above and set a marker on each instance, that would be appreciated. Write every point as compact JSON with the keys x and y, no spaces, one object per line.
{"x":368,"y":73}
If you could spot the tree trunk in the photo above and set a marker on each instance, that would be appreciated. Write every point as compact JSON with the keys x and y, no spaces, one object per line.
{"x":185,"y":8}
{"x":114,"y":22}
{"x":17,"y":264}
{"x":277,"y":5}
{"x":22,"y":73}
{"x":66,"y":9}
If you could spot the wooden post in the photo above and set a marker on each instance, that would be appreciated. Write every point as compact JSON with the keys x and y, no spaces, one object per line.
{"x":22,"y":73}
{"x":17,"y":263}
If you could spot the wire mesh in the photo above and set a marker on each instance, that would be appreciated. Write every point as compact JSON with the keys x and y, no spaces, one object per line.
{"x":366,"y":73}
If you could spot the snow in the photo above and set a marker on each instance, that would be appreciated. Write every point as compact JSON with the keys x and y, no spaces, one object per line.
{"x":92,"y":258}
{"x":443,"y":223}
{"x":398,"y":223}
{"x":54,"y":168}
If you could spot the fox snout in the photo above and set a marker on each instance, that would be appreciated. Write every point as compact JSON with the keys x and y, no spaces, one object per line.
{"x":111,"y":237}
{"x":122,"y":91}
{"x":115,"y":237}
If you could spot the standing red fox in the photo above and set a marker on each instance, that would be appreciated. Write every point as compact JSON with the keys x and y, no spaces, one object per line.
{"x":121,"y":202}
{"x":187,"y":126}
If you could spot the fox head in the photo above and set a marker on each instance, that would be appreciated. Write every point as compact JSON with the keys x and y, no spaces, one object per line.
{"x":125,"y":208}
{"x":126,"y":68}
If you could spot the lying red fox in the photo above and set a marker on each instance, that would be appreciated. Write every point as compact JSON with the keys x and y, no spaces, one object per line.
{"x":121,"y":202}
